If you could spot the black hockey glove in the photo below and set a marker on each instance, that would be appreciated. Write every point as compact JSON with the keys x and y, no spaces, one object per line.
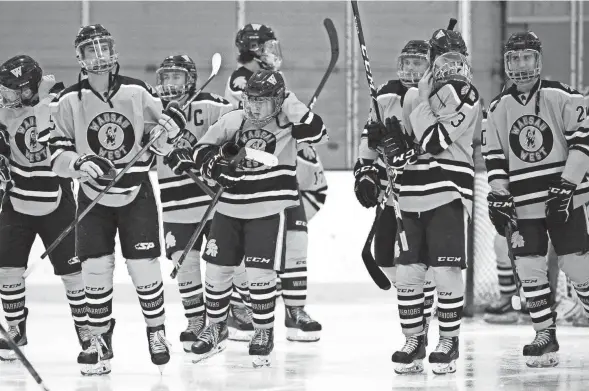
{"x":396,"y":150}
{"x":5,"y":169}
{"x":501,"y":211}
{"x":4,"y":141}
{"x":180,"y":161}
{"x":367,"y":183}
{"x":559,"y":204}
{"x":375,"y":133}
{"x":222,"y":167}
{"x":95,"y":167}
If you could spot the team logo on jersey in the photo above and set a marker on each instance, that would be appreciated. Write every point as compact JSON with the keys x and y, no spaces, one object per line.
{"x":239,"y":83}
{"x":531,"y":138}
{"x":27,"y":143}
{"x":257,"y":139}
{"x":111,"y":135}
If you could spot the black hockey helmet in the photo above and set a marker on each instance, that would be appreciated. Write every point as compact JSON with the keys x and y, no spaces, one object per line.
{"x":259,"y":42}
{"x":167,"y":89}
{"x":97,"y":37}
{"x":444,"y":41}
{"x":522,"y":55}
{"x":409,"y":70}
{"x":20,"y":77}
{"x":264,"y":86}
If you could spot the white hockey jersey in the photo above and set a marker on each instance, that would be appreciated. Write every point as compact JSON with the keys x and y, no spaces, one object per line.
{"x":311,"y":179}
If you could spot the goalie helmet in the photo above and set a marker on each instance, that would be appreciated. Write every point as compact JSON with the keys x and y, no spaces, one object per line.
{"x":168,"y":86}
{"x":263,"y":96}
{"x":522,"y":56}
{"x":260,"y":41}
{"x":413,"y":62}
{"x":20,"y":77}
{"x":444,"y":41}
{"x":95,"y":49}
{"x":451,"y":66}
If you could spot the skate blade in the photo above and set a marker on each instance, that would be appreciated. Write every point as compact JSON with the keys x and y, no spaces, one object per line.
{"x":511,"y":318}
{"x":9,"y":355}
{"x":161,"y":368}
{"x":98,"y":369}
{"x":547,"y":360}
{"x":240,"y":335}
{"x":261,"y":361}
{"x":405,"y":369}
{"x":444,"y":368}
{"x":200,"y":357}
{"x":298,"y":335}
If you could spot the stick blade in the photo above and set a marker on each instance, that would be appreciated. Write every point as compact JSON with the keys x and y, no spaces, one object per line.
{"x":333,"y":39}
{"x":377,"y":275}
{"x":216,"y":62}
{"x":262,"y":157}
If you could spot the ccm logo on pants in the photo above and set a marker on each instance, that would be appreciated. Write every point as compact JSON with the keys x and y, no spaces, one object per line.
{"x":449,"y":259}
{"x":257,"y":259}
{"x":144,"y":246}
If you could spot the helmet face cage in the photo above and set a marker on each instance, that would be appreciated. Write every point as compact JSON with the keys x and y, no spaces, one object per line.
{"x":451,"y":66}
{"x":265,"y":89}
{"x":173,"y":89}
{"x":411,"y":68}
{"x":271,"y":55}
{"x":10,"y":99}
{"x":102,"y":61}
{"x":523,"y":66}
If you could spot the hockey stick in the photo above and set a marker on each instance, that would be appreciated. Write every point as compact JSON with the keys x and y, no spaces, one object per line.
{"x":377,"y":275}
{"x":216,"y":63}
{"x":452,"y":24}
{"x":334,"y":44}
{"x":22,"y":358}
{"x":516,"y":302}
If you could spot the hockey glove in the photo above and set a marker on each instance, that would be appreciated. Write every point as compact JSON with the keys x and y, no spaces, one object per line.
{"x":367,"y":183}
{"x":559,"y":204}
{"x":94,"y":166}
{"x":5,"y":169}
{"x":222,"y":166}
{"x":173,"y":121}
{"x":501,"y":211}
{"x":396,"y":150}
{"x":180,"y":161}
{"x":375,"y":132}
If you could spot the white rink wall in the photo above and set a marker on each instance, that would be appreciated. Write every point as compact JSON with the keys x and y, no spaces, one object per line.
{"x":336,"y":236}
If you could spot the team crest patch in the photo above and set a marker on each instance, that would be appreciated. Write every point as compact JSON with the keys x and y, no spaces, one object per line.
{"x":26,"y":141}
{"x":239,"y":83}
{"x":257,"y":139}
{"x":111,"y":135}
{"x":531,"y":139}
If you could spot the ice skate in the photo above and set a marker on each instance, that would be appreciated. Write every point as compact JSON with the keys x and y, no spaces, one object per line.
{"x":501,"y":311}
{"x":261,"y":346}
{"x":299,"y":325}
{"x":95,"y":360}
{"x":239,"y":322}
{"x":84,"y":336}
{"x":159,"y":347}
{"x":542,"y":352}
{"x":410,"y":358}
{"x":443,"y":359}
{"x":210,"y":341}
{"x":189,"y":336}
{"x":18,"y":334}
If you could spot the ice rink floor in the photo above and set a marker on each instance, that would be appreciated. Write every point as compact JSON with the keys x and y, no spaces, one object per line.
{"x":354,"y":353}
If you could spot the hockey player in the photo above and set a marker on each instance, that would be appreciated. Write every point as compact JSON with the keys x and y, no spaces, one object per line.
{"x":183,"y":202}
{"x":435,"y":198}
{"x":537,"y":159}
{"x":250,"y":219}
{"x":101,"y":123}
{"x":370,"y":170}
{"x":259,"y":49}
{"x":37,"y":202}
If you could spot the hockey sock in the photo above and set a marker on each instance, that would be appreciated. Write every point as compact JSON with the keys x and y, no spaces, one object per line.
{"x":505,"y":274}
{"x":583,"y":295}
{"x":147,"y":278}
{"x":532,"y":272}
{"x":450,"y":286}
{"x":410,"y":297}
{"x":98,"y":275}
{"x":190,"y":284}
{"x":575,"y":267}
{"x":12,"y":293}
{"x":76,"y":297}
{"x":429,"y":289}
{"x":263,"y":296}
{"x":294,"y":277}
{"x":240,"y":295}
{"x":219,"y":285}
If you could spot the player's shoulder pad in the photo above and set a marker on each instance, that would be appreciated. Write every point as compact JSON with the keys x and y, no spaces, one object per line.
{"x":307,"y":153}
{"x":210,"y":97}
{"x":391,"y":87}
{"x":559,"y":86}
{"x":73,"y":89}
{"x":130,"y":81}
{"x":239,"y":78}
{"x":232,"y":119}
{"x":57,"y":88}
{"x":461,"y":92}
{"x":496,"y":100}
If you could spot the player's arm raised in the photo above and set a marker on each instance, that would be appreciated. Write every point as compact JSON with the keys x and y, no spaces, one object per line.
{"x":308,"y":127}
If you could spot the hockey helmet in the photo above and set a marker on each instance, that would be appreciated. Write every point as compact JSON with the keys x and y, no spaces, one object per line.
{"x":261,"y":42}
{"x":413,"y":62}
{"x":102,"y":53}
{"x":263,"y":96}
{"x":522,"y":56}
{"x":451,"y":66}
{"x":20,"y":77}
{"x":168,"y":85}
{"x":444,"y":41}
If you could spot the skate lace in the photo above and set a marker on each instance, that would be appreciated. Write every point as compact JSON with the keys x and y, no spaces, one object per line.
{"x":542,"y":338}
{"x":96,"y":346}
{"x":411,"y":344}
{"x":158,"y":342}
{"x":300,"y":315}
{"x":445,"y":345}
{"x":195,"y":324}
{"x":261,"y":337}
{"x":242,"y":314}
{"x":211,"y":334}
{"x":12,"y":333}
{"x":84,"y":333}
